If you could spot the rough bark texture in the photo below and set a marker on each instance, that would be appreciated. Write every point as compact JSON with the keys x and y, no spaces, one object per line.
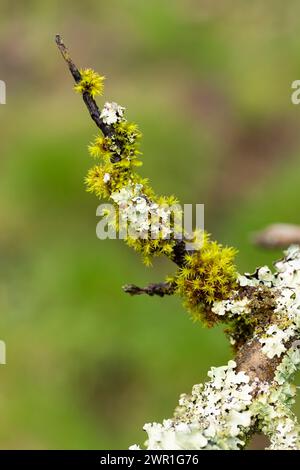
{"x":251,"y":360}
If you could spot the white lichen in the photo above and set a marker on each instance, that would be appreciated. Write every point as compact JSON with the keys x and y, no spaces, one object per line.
{"x":214,"y":416}
{"x":232,"y":307}
{"x":106,"y":177}
{"x":277,"y":420}
{"x":140,"y":215}
{"x":265,"y":275}
{"x":273,"y":341}
{"x":286,"y":282}
{"x":112,"y":113}
{"x":288,"y":366}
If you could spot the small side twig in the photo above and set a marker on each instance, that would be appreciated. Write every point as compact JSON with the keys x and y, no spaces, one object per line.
{"x":161,"y":289}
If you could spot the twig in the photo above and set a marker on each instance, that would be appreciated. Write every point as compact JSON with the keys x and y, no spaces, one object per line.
{"x":161,"y":289}
{"x":277,"y":236}
{"x":87,"y":98}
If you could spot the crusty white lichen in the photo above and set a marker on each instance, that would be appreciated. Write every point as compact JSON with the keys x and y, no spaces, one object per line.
{"x":285,"y":283}
{"x":214,"y":416}
{"x":289,"y":365}
{"x":276,"y":419}
{"x":112,"y":113}
{"x":224,"y":412}
{"x":232,"y":307}
{"x":141,"y":215}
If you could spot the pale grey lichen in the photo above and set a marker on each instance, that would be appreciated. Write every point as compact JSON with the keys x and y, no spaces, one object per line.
{"x":112,"y":113}
{"x":288,"y":366}
{"x":232,"y":307}
{"x":265,"y":275}
{"x":273,"y":340}
{"x":285,"y":283}
{"x":277,"y":421}
{"x":140,"y":215}
{"x":214,"y":416}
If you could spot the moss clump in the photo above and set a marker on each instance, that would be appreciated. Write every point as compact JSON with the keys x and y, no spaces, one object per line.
{"x":208,"y":275}
{"x":91,"y":82}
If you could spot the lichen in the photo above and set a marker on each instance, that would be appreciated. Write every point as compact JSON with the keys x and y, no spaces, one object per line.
{"x":214,"y":416}
{"x":112,"y":113}
{"x":224,"y":413}
{"x":276,"y":419}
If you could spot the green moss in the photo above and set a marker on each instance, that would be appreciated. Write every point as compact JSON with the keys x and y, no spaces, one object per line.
{"x":91,"y":82}
{"x":209,"y":274}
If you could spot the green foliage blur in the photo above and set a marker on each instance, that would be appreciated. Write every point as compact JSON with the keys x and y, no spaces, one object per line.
{"x":209,"y":83}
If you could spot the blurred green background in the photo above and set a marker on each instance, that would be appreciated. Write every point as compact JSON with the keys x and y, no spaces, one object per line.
{"x":209,"y":83}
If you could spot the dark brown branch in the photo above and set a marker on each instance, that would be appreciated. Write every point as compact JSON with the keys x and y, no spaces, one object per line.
{"x":161,"y":289}
{"x":179,"y":252}
{"x":89,"y":100}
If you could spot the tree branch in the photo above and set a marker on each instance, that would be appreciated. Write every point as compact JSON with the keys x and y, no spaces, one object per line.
{"x":161,"y":289}
{"x":88,"y":100}
{"x":264,"y":313}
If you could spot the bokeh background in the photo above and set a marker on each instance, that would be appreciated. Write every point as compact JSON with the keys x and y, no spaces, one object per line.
{"x":209,"y":83}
